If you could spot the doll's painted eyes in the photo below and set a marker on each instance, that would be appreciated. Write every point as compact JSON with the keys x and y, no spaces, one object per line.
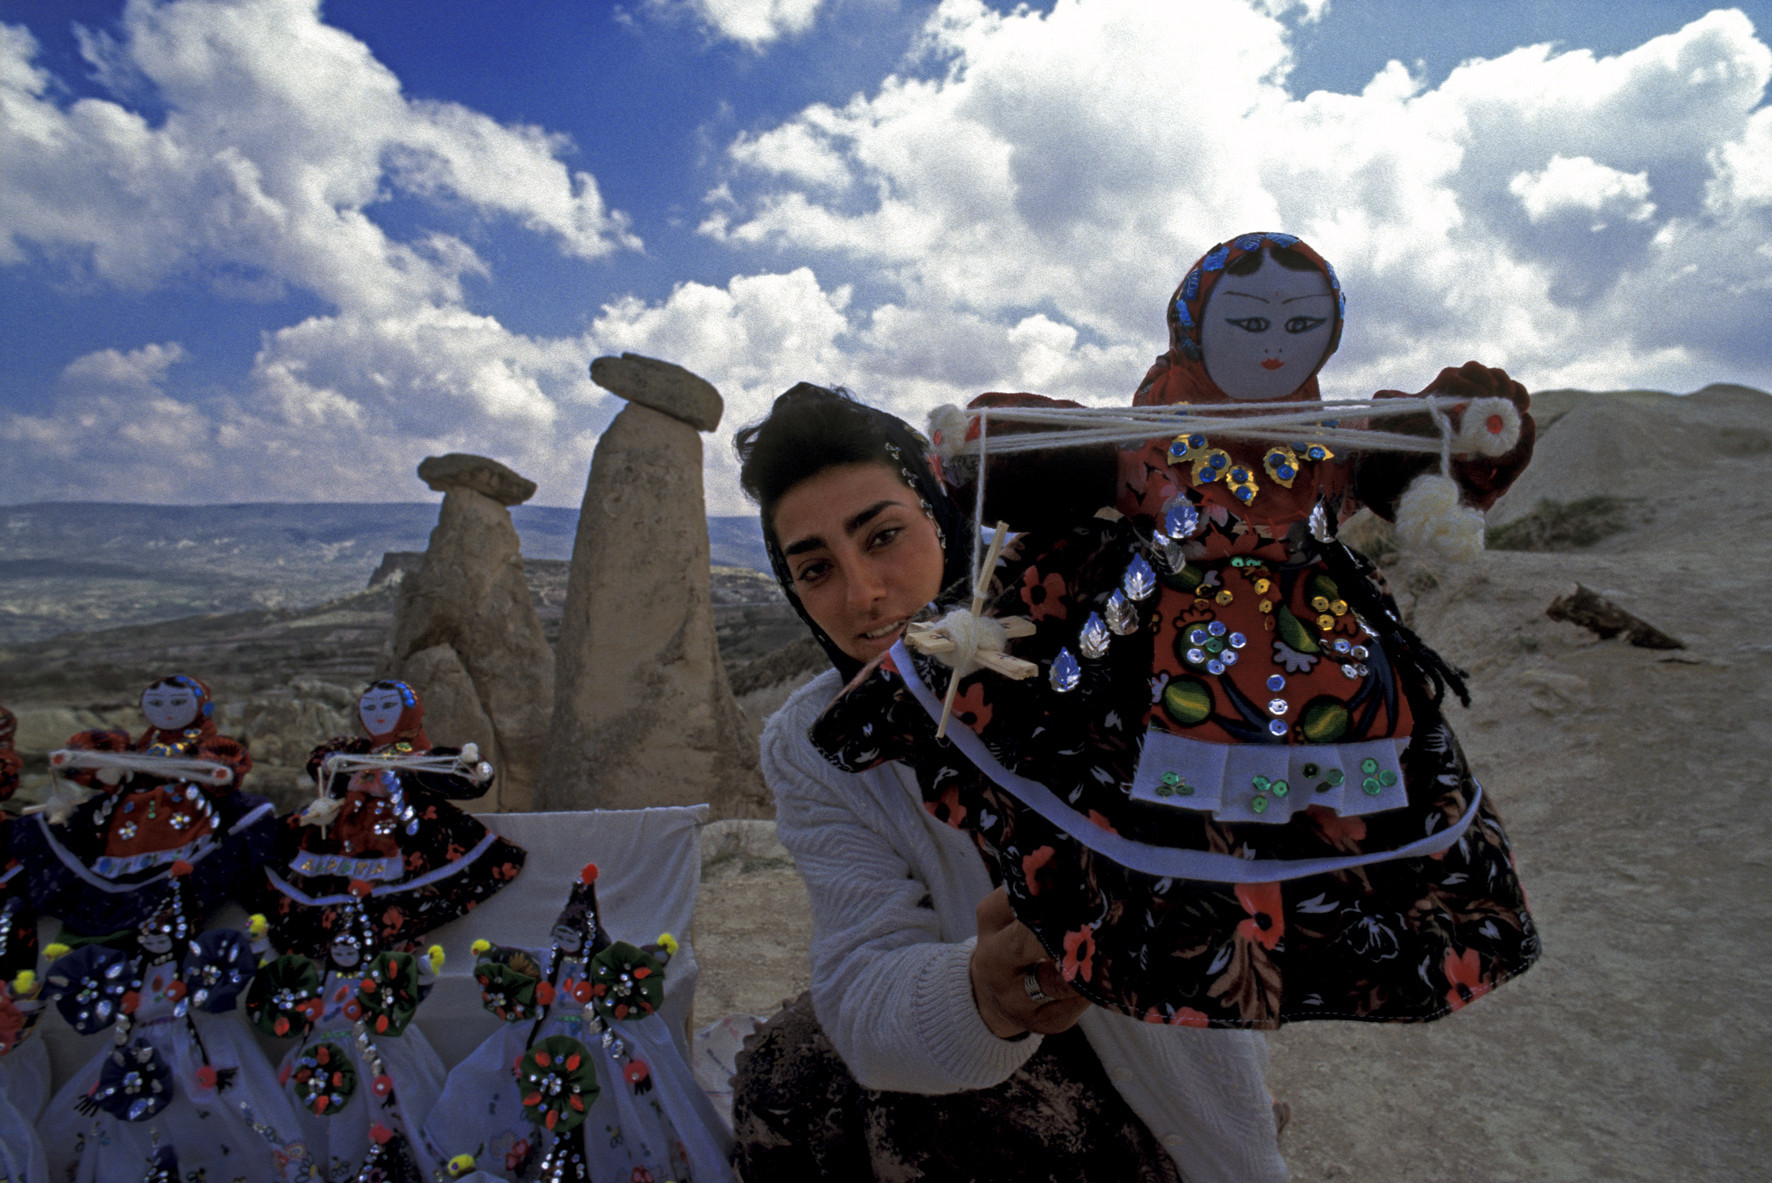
{"x":1304,"y":324}
{"x":1254,"y":324}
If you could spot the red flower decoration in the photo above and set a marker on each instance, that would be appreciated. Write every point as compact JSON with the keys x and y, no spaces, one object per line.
{"x":636,"y":1071}
{"x":1465,"y":974}
{"x":1185,"y":1016}
{"x":1031,"y":864}
{"x":206,"y":1077}
{"x":382,"y":1085}
{"x":1044,"y":596}
{"x":1079,"y":955}
{"x":1266,"y":923}
{"x":544,"y":993}
{"x":380,"y":1134}
{"x":971,"y":708}
{"x":948,"y":809}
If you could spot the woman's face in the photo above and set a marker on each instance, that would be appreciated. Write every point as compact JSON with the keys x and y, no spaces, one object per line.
{"x":1263,"y":334}
{"x":863,"y":557}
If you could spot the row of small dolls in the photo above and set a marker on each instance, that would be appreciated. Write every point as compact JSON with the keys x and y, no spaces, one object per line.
{"x":140,"y":840}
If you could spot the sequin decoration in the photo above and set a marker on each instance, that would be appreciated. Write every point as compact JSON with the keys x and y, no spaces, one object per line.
{"x":1092,"y":638}
{"x":1281,"y":463}
{"x":1320,"y":524}
{"x":1066,"y":673}
{"x":1277,"y":727}
{"x":1180,"y":518}
{"x":1122,"y":617}
{"x":1139,"y":581}
{"x":1241,"y":483}
{"x":1170,"y":784}
{"x":1209,"y":464}
{"x":1278,"y":706}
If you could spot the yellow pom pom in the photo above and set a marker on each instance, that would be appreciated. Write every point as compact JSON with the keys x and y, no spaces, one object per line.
{"x":461,"y":1164}
{"x":56,"y":950}
{"x":435,"y":953}
{"x":25,"y":984}
{"x":480,"y":947}
{"x":257,"y":925}
{"x":668,"y":943}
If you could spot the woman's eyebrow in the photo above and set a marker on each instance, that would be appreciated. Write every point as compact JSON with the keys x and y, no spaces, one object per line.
{"x":815,"y":542}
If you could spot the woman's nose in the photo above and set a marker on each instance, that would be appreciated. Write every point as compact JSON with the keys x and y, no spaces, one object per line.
{"x":865,"y":585}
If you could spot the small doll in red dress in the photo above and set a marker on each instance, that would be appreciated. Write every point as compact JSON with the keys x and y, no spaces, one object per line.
{"x":98,"y":856}
{"x":384,"y":817}
{"x":1228,"y":796}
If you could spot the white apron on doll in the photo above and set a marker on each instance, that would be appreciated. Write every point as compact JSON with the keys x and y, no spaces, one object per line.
{"x":183,"y":1076}
{"x":643,"y":1117}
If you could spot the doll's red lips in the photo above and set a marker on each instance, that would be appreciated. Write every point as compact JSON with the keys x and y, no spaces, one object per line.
{"x":1272,"y":363}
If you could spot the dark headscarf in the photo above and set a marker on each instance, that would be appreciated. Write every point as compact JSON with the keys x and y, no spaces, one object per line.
{"x":895,"y":443}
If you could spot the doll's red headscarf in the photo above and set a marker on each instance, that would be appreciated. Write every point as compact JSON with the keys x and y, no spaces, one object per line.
{"x":1179,"y":376}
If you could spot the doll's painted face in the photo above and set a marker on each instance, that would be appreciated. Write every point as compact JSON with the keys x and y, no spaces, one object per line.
{"x":156,"y":943}
{"x":346,"y":954}
{"x":170,"y":708}
{"x":380,"y":710}
{"x":569,"y":938}
{"x":1263,"y":334}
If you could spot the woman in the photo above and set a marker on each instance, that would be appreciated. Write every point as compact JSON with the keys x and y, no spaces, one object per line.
{"x":934,"y":1017}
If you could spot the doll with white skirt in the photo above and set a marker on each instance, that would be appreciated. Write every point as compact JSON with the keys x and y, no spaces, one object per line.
{"x":583,"y":1081}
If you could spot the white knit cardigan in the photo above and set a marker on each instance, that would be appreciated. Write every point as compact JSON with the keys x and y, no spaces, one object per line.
{"x":894,"y":898}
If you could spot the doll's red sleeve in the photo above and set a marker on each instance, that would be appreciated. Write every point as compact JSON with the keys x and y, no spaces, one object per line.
{"x":1382,"y":477}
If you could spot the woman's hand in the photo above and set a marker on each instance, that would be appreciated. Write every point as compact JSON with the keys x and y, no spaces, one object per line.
{"x":1007,"y":951}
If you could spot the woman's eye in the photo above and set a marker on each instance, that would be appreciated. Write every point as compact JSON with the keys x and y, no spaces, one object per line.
{"x":1304,"y":324}
{"x":885,"y":537}
{"x":1251,"y":324}
{"x":811,"y":573}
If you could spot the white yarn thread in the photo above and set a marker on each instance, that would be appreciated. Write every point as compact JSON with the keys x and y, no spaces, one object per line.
{"x":971,"y":636}
{"x":1474,"y":436}
{"x":170,"y":767}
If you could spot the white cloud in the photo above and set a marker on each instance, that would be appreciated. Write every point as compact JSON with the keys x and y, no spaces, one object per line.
{"x":1070,"y":164}
{"x":1583,"y":184}
{"x":279,"y":138}
{"x":752,"y":23}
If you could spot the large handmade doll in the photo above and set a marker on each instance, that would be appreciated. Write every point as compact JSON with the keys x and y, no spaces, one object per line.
{"x":124,"y":811}
{"x":384,"y":818}
{"x":1226,"y":795}
{"x":183,"y":1073}
{"x":584,"y":1075}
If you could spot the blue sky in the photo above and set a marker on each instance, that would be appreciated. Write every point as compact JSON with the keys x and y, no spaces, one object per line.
{"x":279,"y":250}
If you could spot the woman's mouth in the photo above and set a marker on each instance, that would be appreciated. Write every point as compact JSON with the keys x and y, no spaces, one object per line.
{"x":884,"y":630}
{"x":1272,"y":363}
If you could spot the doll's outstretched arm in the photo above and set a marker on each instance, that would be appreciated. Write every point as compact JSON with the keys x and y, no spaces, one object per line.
{"x":1382,"y":477}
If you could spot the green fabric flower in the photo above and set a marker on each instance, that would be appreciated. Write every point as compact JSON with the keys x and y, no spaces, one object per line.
{"x":389,"y":992}
{"x":283,"y":1000}
{"x":322,"y":1078}
{"x":558,"y":1083}
{"x":626,"y":982}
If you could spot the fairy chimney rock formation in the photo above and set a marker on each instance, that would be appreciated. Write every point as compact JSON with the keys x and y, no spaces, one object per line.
{"x":466,"y":635}
{"x":644,"y":715}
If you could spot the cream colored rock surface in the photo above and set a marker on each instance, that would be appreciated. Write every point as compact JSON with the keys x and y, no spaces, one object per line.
{"x":466,"y":636}
{"x":643,"y":714}
{"x":1635,"y":786}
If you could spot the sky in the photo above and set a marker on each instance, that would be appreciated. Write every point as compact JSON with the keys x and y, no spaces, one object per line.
{"x":282,"y":250}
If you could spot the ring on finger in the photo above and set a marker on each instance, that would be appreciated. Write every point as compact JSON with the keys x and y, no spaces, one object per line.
{"x":1030,"y":982}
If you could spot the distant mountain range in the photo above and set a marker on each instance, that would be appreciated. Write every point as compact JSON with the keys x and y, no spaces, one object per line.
{"x":75,"y":566}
